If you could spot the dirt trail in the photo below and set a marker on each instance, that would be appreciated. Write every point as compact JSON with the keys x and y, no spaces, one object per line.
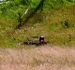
{"x":40,"y":58}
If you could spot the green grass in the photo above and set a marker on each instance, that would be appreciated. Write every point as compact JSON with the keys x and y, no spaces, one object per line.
{"x":51,"y":24}
{"x":52,"y":27}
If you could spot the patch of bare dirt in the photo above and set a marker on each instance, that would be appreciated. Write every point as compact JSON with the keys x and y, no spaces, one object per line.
{"x":40,"y":58}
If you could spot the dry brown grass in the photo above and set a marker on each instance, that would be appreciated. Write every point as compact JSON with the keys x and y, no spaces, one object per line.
{"x":40,"y":58}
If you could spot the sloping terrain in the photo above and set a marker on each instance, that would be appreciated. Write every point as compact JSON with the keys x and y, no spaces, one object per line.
{"x":55,"y":21}
{"x":40,"y":58}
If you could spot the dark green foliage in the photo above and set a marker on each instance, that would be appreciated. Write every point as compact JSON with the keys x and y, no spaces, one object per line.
{"x":31,"y":12}
{"x":24,"y":2}
{"x":66,"y":24}
{"x":19,"y":18}
{"x":11,"y":8}
{"x":16,"y":5}
{"x":70,"y":0}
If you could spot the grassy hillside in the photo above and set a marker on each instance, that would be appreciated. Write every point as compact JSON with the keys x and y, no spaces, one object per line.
{"x":56,"y":22}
